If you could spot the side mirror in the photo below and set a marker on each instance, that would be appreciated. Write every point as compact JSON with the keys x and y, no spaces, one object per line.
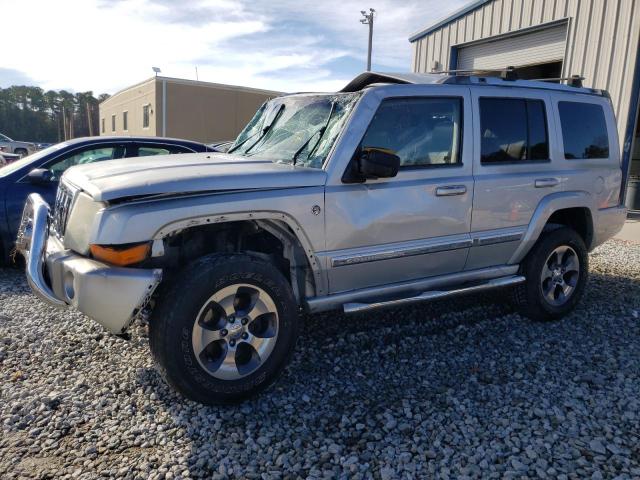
{"x":40,"y":176}
{"x":378,"y":163}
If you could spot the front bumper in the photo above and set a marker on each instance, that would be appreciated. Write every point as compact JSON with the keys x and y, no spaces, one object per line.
{"x":112,"y":296}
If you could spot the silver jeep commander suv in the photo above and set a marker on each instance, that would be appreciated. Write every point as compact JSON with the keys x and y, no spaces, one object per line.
{"x":400,"y":188}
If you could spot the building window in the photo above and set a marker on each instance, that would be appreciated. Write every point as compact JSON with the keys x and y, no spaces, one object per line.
{"x":421,"y":131}
{"x":146,"y":109}
{"x":113,"y":123}
{"x":125,"y":121}
{"x":102,"y":124}
{"x":584,"y":130}
{"x":513,"y":130}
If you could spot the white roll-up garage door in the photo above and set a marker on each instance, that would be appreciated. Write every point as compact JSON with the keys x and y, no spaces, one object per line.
{"x":540,"y":46}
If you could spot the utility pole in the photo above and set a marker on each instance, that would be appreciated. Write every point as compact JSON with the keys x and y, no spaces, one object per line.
{"x":64,"y":123}
{"x":89,"y":119}
{"x":368,"y":20}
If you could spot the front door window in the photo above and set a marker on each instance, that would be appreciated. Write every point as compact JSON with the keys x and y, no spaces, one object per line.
{"x":421,"y":131}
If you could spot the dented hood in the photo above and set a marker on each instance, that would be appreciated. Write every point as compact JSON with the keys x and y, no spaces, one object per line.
{"x":186,"y":174}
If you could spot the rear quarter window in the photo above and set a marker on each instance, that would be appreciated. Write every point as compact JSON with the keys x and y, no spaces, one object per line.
{"x":584,"y":130}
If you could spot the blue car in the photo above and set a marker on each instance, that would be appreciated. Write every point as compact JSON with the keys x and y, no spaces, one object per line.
{"x":41,"y":172}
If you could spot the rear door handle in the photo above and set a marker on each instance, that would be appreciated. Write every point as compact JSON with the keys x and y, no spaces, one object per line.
{"x":451,"y":190}
{"x":546,"y":182}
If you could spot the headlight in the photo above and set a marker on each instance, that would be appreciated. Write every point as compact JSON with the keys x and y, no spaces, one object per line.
{"x":121,"y":255}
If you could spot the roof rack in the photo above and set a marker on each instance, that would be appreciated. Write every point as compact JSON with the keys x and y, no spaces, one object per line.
{"x":508,"y":73}
{"x":460,"y":77}
{"x":572,"y":81}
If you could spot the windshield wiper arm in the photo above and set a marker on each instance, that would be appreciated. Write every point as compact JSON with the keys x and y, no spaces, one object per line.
{"x":242,"y":143}
{"x":304,"y":145}
{"x":266,"y":129}
{"x":321,"y":131}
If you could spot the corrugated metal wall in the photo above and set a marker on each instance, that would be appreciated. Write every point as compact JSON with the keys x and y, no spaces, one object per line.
{"x":542,"y":46}
{"x":601,"y":41}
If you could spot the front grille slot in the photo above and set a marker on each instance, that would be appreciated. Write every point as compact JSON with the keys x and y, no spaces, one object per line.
{"x":60,"y":215}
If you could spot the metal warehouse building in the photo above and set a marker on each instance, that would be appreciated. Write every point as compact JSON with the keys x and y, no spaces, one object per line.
{"x":173,"y":107}
{"x":596,"y":39}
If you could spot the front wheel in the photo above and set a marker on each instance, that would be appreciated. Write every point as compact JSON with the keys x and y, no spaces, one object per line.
{"x":224,"y":329}
{"x":556,"y":272}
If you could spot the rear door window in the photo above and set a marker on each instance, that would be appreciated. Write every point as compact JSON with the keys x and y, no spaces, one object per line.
{"x":584,"y":130}
{"x":150,"y":150}
{"x":513,"y":130}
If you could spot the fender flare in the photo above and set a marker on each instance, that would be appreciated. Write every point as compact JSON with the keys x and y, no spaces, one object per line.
{"x":318,"y":274}
{"x":547,"y":206}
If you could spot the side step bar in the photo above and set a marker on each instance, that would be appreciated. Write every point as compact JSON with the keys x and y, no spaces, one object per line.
{"x":433,"y":295}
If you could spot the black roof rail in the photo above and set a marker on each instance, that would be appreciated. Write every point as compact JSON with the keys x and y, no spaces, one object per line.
{"x":572,"y":81}
{"x":508,"y":73}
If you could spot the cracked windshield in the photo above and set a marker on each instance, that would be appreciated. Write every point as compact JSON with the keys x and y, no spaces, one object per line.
{"x":299,"y":130}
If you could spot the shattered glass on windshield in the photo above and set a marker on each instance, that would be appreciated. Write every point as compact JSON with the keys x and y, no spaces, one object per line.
{"x":298,"y":130}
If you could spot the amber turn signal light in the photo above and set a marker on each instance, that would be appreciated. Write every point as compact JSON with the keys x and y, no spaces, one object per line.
{"x":121,"y":255}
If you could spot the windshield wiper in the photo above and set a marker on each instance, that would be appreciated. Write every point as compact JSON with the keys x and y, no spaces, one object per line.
{"x":266,"y":129}
{"x":231,"y":150}
{"x":321,"y":131}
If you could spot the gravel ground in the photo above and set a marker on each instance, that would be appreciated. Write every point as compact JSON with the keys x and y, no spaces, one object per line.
{"x":460,"y":389}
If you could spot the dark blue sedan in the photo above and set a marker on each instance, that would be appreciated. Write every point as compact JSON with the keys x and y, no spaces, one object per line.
{"x":41,"y":172}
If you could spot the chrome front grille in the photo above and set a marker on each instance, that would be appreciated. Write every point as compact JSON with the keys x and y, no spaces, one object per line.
{"x":60,"y":214}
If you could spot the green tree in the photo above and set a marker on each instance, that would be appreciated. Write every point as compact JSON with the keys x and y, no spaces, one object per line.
{"x":30,"y":113}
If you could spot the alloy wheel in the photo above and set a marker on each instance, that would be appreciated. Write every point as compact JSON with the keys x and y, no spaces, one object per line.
{"x":235,"y":331}
{"x":560,"y":275}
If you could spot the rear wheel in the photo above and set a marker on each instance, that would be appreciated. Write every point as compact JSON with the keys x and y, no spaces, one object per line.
{"x":21,"y":151}
{"x":224,"y":329}
{"x":556,"y":272}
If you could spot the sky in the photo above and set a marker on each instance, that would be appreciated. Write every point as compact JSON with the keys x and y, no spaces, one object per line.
{"x":283,"y":45}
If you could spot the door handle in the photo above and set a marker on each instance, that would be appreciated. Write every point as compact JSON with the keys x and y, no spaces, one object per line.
{"x":451,"y":190}
{"x":546,"y":182}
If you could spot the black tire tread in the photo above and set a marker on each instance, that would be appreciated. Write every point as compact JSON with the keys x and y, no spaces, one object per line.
{"x":171,"y":293}
{"x":526,"y":296}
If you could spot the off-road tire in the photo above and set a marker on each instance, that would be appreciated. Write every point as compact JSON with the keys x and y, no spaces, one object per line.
{"x":177,"y":308}
{"x":528,"y":296}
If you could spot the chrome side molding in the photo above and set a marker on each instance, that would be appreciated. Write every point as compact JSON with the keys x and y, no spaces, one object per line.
{"x":400,"y":252}
{"x":433,"y":295}
{"x":414,"y":248}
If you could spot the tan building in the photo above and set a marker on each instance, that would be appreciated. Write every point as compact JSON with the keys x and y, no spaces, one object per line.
{"x":595,"y":39}
{"x":172,"y":107}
